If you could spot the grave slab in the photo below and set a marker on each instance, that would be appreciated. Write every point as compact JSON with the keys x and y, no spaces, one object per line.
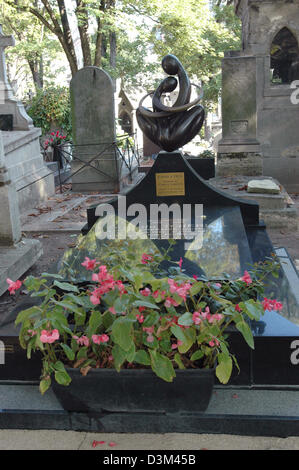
{"x":16,"y":260}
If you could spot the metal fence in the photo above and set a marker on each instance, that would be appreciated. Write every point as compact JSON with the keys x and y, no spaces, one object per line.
{"x":126,"y":152}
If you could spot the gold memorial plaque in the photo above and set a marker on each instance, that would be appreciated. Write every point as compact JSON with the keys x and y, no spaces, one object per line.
{"x":170,"y":184}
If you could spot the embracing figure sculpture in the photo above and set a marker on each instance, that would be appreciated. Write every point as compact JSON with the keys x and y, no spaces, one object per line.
{"x":171,"y":127}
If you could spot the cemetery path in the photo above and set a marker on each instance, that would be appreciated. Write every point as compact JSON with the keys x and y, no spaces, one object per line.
{"x":71,"y":440}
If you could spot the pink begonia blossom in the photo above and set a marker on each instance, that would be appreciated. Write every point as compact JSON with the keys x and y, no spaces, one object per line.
{"x":145,"y":259}
{"x":49,"y":336}
{"x":180,"y":289}
{"x":98,"y":339}
{"x":13,"y":286}
{"x":32,"y":332}
{"x":149,"y":329}
{"x":169,"y":302}
{"x":89,"y":264}
{"x":246,"y":278}
{"x":82,"y":341}
{"x":176,"y":345}
{"x":145,"y":292}
{"x":112,"y":310}
{"x":140,"y":318}
{"x":181,"y":263}
{"x":196,"y":317}
{"x":214,"y":343}
{"x":269,"y":304}
{"x":150,"y":339}
{"x":238,"y":308}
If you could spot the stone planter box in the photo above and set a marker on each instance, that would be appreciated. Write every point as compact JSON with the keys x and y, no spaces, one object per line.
{"x":136,"y":390}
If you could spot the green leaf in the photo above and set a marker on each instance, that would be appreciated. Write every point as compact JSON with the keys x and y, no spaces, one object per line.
{"x":224,"y":368}
{"x":178,"y":332}
{"x":119,"y":356}
{"x":44,"y":385}
{"x":185,"y":319}
{"x":95,"y":321}
{"x":26,"y":314}
{"x":162,"y":366}
{"x":69,"y":306}
{"x":178,"y":360}
{"x":68,"y":351}
{"x":244,"y":328}
{"x":190,"y":338}
{"x":151,"y":319}
{"x":122,"y":331}
{"x":62,"y":378}
{"x":142,"y":357}
{"x":197,"y":355}
{"x":144,"y":303}
{"x":66,"y":286}
{"x":253,"y":309}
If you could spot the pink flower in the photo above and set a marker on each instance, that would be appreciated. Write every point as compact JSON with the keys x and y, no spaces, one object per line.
{"x":195,"y":277}
{"x":140,"y":318}
{"x":150,"y":339}
{"x":176,"y":345}
{"x":181,"y":289}
{"x":13,"y":286}
{"x":214,"y":343}
{"x":112,"y":310}
{"x":89,"y":264}
{"x":98,"y":339}
{"x":246,"y":278}
{"x":82,"y":341}
{"x":196,"y":317}
{"x":156,"y":294}
{"x":169,"y":302}
{"x":32,"y":332}
{"x":145,"y":259}
{"x":49,"y":336}
{"x":146,"y":292}
{"x":269,"y":304}
{"x":180,"y":263}
{"x":237,"y":308}
{"x":94,"y":299}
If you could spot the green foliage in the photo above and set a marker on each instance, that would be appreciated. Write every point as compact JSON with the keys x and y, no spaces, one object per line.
{"x":138,"y":316}
{"x":51,"y":108}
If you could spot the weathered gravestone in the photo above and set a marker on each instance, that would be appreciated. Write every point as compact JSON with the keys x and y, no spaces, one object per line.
{"x":95,"y":164}
{"x":16,"y":255}
{"x":34,"y":182}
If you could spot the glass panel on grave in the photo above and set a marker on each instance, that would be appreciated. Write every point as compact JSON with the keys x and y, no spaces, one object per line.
{"x":220,"y":247}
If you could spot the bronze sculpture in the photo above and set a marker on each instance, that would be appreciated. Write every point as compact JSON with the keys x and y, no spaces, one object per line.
{"x":171,"y":127}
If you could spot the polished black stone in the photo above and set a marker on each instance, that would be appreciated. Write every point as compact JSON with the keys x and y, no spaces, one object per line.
{"x":6,"y":122}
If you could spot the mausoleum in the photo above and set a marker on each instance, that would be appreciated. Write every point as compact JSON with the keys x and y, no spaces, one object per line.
{"x":260,"y":120}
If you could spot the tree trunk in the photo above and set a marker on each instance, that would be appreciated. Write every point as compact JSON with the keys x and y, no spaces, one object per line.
{"x":67,"y":44}
{"x":82,"y":18}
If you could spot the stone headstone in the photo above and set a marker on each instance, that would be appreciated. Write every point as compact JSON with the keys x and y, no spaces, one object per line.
{"x":93,"y":119}
{"x":238,"y":150}
{"x":263,"y":186}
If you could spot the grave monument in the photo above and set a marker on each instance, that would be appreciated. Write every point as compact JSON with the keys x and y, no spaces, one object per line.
{"x":232,"y":236}
{"x":95,"y":165}
{"x":16,"y":255}
{"x":33,"y":181}
{"x":260,"y":121}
